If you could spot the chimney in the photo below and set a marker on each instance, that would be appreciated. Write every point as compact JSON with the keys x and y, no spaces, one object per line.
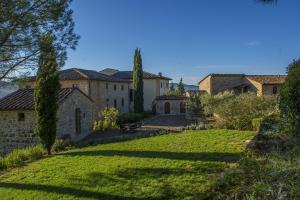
{"x":160,"y":74}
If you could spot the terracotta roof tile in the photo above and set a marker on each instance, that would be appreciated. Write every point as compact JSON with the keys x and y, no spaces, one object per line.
{"x":267,"y":79}
{"x":22,"y":99}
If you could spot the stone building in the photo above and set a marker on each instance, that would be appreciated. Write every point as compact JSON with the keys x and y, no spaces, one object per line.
{"x":17,"y":119}
{"x":106,"y":91}
{"x":169,"y":105}
{"x":154,"y":85}
{"x":240,"y":83}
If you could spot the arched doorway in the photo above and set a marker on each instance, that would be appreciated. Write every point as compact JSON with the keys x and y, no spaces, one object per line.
{"x":167,"y":108}
{"x":78,"y":120}
{"x":182,"y":107}
{"x":154,"y":109}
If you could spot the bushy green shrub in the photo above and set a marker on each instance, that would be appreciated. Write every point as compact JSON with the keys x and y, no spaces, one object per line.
{"x":19,"y":157}
{"x":108,"y":119}
{"x":58,"y":145}
{"x":256,"y":122}
{"x":237,"y":111}
{"x":130,"y":117}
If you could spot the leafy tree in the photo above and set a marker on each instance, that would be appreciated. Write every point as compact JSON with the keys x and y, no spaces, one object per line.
{"x":290,"y":98}
{"x":23,"y":23}
{"x":138,"y":85}
{"x":46,"y":93}
{"x":180,"y":87}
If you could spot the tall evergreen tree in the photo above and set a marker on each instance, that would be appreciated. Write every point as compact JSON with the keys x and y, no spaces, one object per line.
{"x":290,"y":98}
{"x":180,"y":87}
{"x":138,"y":85}
{"x":46,"y":93}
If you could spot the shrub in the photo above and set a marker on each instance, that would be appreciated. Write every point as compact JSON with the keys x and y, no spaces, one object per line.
{"x":290,"y":99}
{"x":130,"y":117}
{"x":19,"y":157}
{"x":108,"y":120}
{"x":238,"y":111}
{"x":256,"y":122}
{"x":59,"y":145}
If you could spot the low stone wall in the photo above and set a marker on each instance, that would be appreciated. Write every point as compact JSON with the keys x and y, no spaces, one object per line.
{"x":16,"y":134}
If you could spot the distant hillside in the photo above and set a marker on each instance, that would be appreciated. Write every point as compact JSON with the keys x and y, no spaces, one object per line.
{"x":186,"y":87}
{"x":7,"y":88}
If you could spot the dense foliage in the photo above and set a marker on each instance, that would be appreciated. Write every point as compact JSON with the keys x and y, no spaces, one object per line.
{"x":290,"y":99}
{"x":138,"y":84}
{"x":22,"y":23}
{"x":237,"y":111}
{"x":108,"y":119}
{"x":20,"y":157}
{"x":46,"y":93}
{"x":133,"y":117}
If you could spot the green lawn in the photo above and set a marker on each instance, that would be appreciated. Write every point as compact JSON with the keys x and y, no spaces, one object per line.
{"x":173,"y":166}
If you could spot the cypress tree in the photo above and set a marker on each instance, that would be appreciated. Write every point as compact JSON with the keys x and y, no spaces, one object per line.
{"x":46,"y":93}
{"x":180,"y":87}
{"x":138,"y":85}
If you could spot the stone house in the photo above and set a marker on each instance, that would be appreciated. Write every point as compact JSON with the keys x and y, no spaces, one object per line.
{"x":154,"y":85}
{"x":17,"y":119}
{"x":106,"y":91}
{"x":240,"y":83}
{"x":169,"y":105}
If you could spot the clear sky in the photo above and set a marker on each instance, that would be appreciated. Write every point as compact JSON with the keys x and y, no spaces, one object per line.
{"x":187,"y":38}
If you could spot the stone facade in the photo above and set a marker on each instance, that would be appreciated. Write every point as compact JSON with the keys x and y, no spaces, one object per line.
{"x":170,"y":105}
{"x":15,"y":133}
{"x":19,"y":133}
{"x":239,"y":83}
{"x":104,"y":94}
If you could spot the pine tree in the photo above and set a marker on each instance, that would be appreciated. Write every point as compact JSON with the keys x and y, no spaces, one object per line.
{"x":46,"y":93}
{"x":138,"y":85}
{"x":290,"y":99}
{"x":180,"y":87}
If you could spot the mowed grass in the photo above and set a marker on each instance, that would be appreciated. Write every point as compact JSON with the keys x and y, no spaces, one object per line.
{"x":173,"y":166}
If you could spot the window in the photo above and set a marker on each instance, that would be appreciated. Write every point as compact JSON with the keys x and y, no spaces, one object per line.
{"x":78,"y":120}
{"x":275,"y":90}
{"x":161,"y":85}
{"x":107,"y":100}
{"x":123,"y":102}
{"x":21,"y":117}
{"x":115,"y":103}
{"x":131,"y":95}
{"x":106,"y":85}
{"x":115,"y":87}
{"x":122,"y":87}
{"x":167,"y":85}
{"x":75,"y":86}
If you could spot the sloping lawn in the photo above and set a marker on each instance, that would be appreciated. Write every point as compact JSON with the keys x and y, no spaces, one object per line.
{"x":173,"y":166}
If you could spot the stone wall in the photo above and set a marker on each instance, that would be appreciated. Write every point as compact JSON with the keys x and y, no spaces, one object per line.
{"x":16,"y":134}
{"x":267,"y":89}
{"x":222,"y":83}
{"x":174,"y":107}
{"x":19,"y":134}
{"x":66,"y":116}
{"x":205,"y":85}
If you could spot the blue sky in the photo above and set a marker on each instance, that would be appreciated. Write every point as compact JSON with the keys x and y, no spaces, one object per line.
{"x":187,"y":38}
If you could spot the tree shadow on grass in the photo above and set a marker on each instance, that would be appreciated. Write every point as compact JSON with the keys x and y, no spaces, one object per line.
{"x":63,"y":191}
{"x":192,"y":156}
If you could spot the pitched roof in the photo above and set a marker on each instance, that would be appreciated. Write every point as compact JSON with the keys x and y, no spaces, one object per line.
{"x":268,"y":79}
{"x":221,"y":75}
{"x":23,"y":99}
{"x":263,"y":79}
{"x":127,"y":75}
{"x":83,"y":74}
